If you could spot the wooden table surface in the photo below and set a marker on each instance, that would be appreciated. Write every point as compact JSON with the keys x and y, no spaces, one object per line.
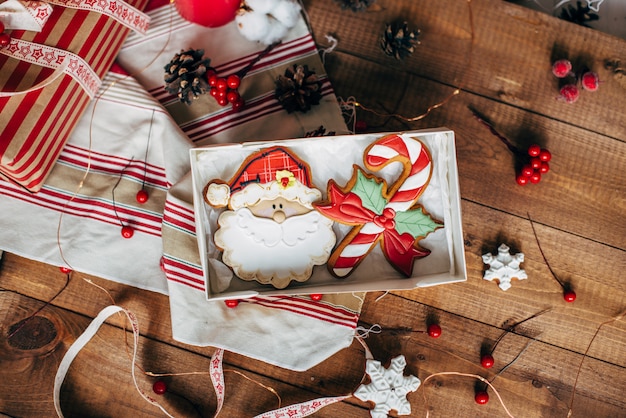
{"x":502,"y":68}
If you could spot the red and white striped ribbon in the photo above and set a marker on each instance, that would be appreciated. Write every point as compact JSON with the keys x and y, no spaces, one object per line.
{"x":405,"y":192}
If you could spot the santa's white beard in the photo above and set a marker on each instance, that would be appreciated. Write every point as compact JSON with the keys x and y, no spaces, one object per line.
{"x":274,"y":253}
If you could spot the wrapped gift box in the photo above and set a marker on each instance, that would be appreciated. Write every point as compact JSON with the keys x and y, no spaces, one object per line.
{"x":35,"y":124}
{"x":333,"y":157}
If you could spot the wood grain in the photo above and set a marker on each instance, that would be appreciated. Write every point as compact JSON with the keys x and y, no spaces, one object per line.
{"x":577,"y":209}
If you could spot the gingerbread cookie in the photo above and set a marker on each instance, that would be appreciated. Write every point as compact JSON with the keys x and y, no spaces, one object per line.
{"x":381,"y":214}
{"x":270,"y":232}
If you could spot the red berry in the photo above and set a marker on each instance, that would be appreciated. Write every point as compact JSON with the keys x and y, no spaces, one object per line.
{"x":545,"y":155}
{"x":569,"y":296}
{"x":210,"y":73}
{"x":232,"y":96}
{"x":522,"y":180}
{"x":535,"y":163}
{"x":534,"y":150}
{"x":315,"y":296}
{"x":213,"y":92}
{"x":569,"y":93}
{"x":221,"y":84}
{"x":127,"y":231}
{"x":159,"y":387}
{"x":142,"y":196}
{"x":220,"y":94}
{"x":545,"y":167}
{"x":527,"y":170}
{"x":213,"y":80}
{"x":360,"y":126}
{"x":535,"y":178}
{"x":590,"y":81}
{"x":5,"y":39}
{"x":434,"y":330}
{"x":481,"y":397}
{"x":487,"y":361}
{"x":238,"y":104}
{"x":222,"y":101}
{"x":562,"y":68}
{"x":231,"y":303}
{"x":65,"y":270}
{"x":233,"y":81}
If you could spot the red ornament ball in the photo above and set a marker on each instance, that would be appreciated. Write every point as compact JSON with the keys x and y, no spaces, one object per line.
{"x":487,"y":361}
{"x":231,"y":303}
{"x":159,"y":387}
{"x":142,"y":196}
{"x":5,"y":39}
{"x":315,"y":296}
{"x":209,"y":13}
{"x":434,"y":330}
{"x":569,"y":296}
{"x":127,"y":231}
{"x":481,"y":397}
{"x":569,"y":93}
{"x":590,"y":81}
{"x":562,"y":68}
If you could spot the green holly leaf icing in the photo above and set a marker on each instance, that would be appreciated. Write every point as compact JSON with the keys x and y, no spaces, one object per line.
{"x":415,"y":222}
{"x":371,"y":193}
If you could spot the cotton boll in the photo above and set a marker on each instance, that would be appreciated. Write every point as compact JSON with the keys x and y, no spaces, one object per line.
{"x":287,"y":12}
{"x":254,"y":26}
{"x":275,"y":33}
{"x":262,"y":6}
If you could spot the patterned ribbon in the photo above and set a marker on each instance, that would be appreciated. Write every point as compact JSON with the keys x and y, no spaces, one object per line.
{"x":61,"y":61}
{"x":32,"y":15}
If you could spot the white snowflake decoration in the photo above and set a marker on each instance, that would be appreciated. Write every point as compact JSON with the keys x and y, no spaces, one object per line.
{"x":388,"y":387}
{"x":504,"y":267}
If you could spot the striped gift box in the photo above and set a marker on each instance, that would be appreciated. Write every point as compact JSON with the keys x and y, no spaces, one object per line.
{"x":34,"y":126}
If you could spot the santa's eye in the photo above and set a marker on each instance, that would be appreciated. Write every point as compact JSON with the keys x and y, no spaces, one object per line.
{"x":273,"y":206}
{"x":281,"y":205}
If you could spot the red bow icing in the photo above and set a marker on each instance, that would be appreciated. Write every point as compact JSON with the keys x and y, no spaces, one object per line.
{"x":399,"y":248}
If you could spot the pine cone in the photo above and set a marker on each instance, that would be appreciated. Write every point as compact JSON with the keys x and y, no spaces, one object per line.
{"x":579,"y":14}
{"x":184,"y":75}
{"x":398,"y":41}
{"x":355,"y":5}
{"x":298,"y":89}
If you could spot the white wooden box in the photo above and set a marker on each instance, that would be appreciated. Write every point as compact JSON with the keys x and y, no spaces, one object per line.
{"x":333,"y":157}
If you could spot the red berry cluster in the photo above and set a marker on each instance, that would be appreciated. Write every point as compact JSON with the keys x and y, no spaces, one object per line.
{"x":5,"y":39}
{"x":569,"y":92}
{"x":536,"y":166}
{"x":225,"y":89}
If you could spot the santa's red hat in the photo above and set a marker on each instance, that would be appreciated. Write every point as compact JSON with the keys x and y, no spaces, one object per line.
{"x":265,"y":175}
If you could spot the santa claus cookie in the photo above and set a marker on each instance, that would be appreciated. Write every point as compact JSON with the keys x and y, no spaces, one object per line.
{"x":389,"y":215}
{"x":270,"y":232}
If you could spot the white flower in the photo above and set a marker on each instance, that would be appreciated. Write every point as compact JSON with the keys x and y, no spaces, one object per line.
{"x":267,"y":21}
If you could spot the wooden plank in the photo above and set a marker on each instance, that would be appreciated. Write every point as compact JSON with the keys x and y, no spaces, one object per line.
{"x":511,"y":57}
{"x":578,"y":195}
